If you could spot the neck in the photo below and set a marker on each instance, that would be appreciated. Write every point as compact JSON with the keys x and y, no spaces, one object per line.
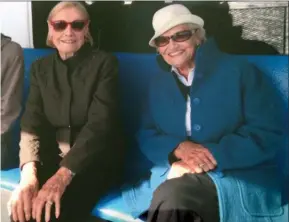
{"x":65,"y":56}
{"x":185,"y":69}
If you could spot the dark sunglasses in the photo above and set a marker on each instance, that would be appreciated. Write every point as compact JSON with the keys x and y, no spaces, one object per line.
{"x":177,"y":37}
{"x":61,"y":25}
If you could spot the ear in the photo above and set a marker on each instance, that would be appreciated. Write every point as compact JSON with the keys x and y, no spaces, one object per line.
{"x":197,"y":42}
{"x":50,"y":28}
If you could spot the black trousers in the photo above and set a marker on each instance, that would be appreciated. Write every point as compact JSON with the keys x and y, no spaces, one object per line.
{"x":192,"y":198}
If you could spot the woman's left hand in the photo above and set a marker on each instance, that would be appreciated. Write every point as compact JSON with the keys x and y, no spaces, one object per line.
{"x":51,"y":193}
{"x":198,"y":158}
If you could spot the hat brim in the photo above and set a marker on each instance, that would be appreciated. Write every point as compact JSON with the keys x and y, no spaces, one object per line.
{"x":183,"y":19}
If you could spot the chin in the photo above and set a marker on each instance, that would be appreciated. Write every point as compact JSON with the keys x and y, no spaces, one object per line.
{"x":177,"y":61}
{"x":178,"y":64}
{"x":181,"y":62}
{"x":69,"y":49}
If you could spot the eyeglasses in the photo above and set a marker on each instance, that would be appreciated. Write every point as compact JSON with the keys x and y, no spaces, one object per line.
{"x":177,"y":37}
{"x":61,"y":25}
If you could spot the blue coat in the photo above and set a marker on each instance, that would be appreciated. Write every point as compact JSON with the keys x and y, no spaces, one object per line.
{"x":236,"y":115}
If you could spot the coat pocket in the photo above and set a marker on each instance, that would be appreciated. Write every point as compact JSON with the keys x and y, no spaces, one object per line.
{"x":260,"y":193}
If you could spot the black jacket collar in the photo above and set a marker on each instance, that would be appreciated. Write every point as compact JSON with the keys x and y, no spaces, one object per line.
{"x":77,"y":58}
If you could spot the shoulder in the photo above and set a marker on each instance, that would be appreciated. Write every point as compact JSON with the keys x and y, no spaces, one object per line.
{"x":237,"y":66}
{"x":100,"y":56}
{"x":13,"y":50}
{"x":233,"y":61}
{"x":244,"y":67}
{"x":104,"y":63}
{"x":43,"y":61}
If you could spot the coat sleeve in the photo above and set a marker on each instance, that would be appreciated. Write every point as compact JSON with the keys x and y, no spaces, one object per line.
{"x":94,"y":140}
{"x":155,"y":144}
{"x":32,"y":121}
{"x":261,"y":134}
{"x":11,"y":86}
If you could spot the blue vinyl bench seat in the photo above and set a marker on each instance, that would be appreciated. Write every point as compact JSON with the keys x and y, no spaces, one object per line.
{"x":110,"y":208}
{"x":135,"y":71}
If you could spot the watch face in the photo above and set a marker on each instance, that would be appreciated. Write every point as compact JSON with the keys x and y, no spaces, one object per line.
{"x":238,"y":27}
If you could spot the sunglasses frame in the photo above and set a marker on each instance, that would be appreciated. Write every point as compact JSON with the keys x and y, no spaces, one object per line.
{"x":53,"y":23}
{"x":174,"y":36}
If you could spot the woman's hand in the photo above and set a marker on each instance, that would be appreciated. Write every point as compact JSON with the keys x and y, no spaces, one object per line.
{"x":50,"y":194}
{"x":198,"y":158}
{"x":21,"y":201}
{"x":178,"y":169}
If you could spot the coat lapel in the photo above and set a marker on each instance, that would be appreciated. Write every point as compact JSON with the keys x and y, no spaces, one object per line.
{"x":174,"y":106}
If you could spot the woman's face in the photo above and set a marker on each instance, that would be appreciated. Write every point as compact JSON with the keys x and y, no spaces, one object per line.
{"x":181,"y":52}
{"x":67,"y":30}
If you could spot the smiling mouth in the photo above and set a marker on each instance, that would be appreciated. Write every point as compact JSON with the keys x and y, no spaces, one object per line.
{"x":68,"y":41}
{"x":177,"y":53}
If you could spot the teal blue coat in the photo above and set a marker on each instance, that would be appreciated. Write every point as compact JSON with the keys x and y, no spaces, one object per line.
{"x":237,"y":116}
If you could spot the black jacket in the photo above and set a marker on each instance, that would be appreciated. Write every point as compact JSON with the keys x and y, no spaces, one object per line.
{"x":72,"y":109}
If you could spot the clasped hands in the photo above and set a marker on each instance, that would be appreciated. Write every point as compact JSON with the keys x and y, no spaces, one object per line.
{"x":194,"y":158}
{"x":28,"y":202}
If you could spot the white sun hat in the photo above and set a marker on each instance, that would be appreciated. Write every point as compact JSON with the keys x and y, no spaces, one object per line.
{"x":170,"y":16}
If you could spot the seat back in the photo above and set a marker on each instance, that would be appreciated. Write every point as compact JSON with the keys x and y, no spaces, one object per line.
{"x":135,"y":70}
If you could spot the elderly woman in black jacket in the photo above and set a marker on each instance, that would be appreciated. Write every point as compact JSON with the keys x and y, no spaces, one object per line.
{"x":69,"y":122}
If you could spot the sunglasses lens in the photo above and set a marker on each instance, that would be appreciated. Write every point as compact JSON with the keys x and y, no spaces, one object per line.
{"x":59,"y":25}
{"x":182,"y":36}
{"x":177,"y":37}
{"x":161,"y":41}
{"x":77,"y":25}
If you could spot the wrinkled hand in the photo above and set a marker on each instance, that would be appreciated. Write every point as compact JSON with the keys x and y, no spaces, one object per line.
{"x":20,"y":203}
{"x":198,"y":158}
{"x":50,"y":194}
{"x":178,"y":169}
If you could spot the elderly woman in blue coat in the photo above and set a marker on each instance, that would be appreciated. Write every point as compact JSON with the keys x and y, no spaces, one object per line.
{"x":211,"y":128}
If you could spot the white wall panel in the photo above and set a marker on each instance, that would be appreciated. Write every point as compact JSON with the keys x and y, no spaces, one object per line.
{"x":16,"y":22}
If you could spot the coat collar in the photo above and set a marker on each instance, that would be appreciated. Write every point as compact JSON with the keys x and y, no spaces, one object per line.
{"x":207,"y":53}
{"x":207,"y":56}
{"x":76,"y":59}
{"x":206,"y":60}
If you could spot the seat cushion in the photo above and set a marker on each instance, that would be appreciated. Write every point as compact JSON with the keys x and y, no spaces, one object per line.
{"x":110,"y":208}
{"x":9,"y":179}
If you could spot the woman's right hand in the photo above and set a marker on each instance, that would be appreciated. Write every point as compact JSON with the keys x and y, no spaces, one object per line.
{"x":21,"y":201}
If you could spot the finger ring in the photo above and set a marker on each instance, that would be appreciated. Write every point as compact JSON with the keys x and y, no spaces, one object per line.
{"x":49,"y":202}
{"x":201,"y":165}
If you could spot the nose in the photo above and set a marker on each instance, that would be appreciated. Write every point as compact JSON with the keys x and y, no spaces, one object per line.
{"x":68,"y":31}
{"x":171,"y":44}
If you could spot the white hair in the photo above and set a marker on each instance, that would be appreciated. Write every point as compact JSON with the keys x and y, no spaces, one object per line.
{"x":200,"y":34}
{"x":63,"y":5}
